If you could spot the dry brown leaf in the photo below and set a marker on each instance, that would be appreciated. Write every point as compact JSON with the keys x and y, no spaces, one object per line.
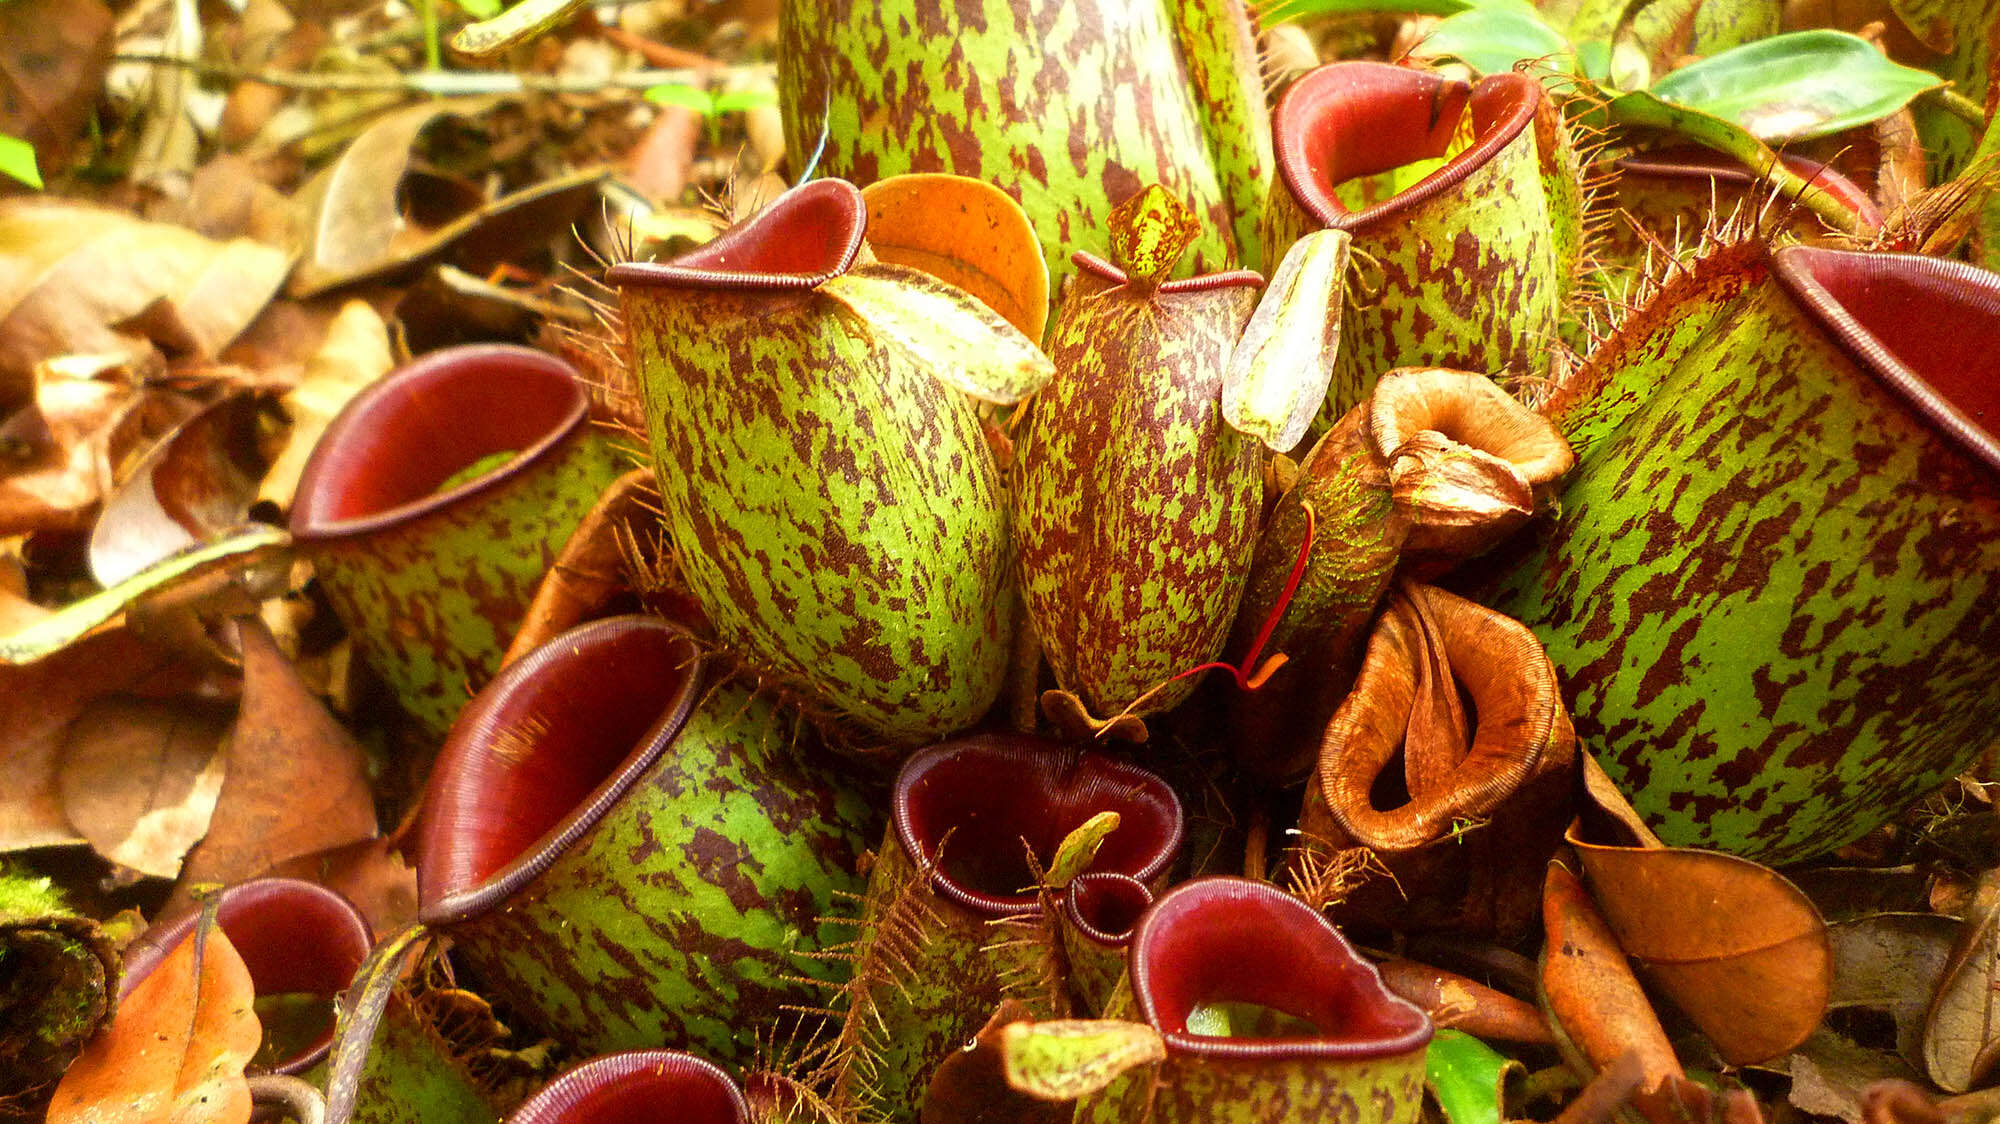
{"x":967,"y":233}
{"x":175,"y":1052}
{"x":1734,"y":945}
{"x":55,"y":453}
{"x":357,"y":228}
{"x":37,"y":704}
{"x":1962,"y":1026}
{"x":1464,"y":1004}
{"x":295,"y":781}
{"x":1589,"y":993}
{"x":356,"y":352}
{"x":194,"y":484}
{"x":53,"y":54}
{"x":139,"y":778}
{"x":85,"y":280}
{"x":1891,"y":962}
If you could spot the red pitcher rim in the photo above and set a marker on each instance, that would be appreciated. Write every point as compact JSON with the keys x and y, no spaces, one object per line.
{"x":1303,"y":130}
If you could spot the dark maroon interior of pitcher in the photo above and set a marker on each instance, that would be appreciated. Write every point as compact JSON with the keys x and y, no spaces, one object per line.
{"x":384,"y":458}
{"x":294,"y":937}
{"x":1214,"y":941}
{"x":1106,"y":906}
{"x":807,"y":235}
{"x":638,"y":1087}
{"x":1928,"y":327}
{"x":979,"y":804}
{"x":1351,"y":119}
{"x":543,"y":752}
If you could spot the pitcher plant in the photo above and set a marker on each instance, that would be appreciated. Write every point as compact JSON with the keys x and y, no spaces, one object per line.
{"x":1772,"y":589}
{"x":837,"y":510}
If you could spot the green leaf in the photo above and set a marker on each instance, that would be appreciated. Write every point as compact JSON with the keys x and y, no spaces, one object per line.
{"x":687,"y":97}
{"x":480,"y":9}
{"x":735,"y":101}
{"x":1468,"y":1077}
{"x":17,"y":159}
{"x":1493,"y":38}
{"x":1287,"y":10}
{"x":1798,"y":85}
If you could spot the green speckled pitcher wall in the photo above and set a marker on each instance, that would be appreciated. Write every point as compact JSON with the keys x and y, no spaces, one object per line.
{"x":431,"y":571}
{"x":838,"y":513}
{"x":1068,"y":105}
{"x":1773,"y":588}
{"x":632,"y":855}
{"x":1465,"y":268}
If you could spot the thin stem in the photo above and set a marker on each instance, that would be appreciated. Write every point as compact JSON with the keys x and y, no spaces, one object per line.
{"x":433,"y":56}
{"x":1959,"y":106}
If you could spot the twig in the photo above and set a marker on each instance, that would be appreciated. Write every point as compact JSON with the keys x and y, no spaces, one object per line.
{"x":451,"y":83}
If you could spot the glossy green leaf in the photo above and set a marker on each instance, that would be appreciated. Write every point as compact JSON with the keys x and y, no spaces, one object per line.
{"x":1468,"y":1077}
{"x":17,"y":159}
{"x":1493,"y":38}
{"x":1799,"y":85}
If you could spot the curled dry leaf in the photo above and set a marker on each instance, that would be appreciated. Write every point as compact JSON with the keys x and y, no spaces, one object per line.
{"x":295,"y":781}
{"x":357,"y":228}
{"x":195,"y":483}
{"x":1734,"y":945}
{"x":79,"y":279}
{"x":1593,"y":1001}
{"x":139,"y":778}
{"x":175,"y":1052}
{"x":1466,"y":460}
{"x":55,"y":452}
{"x":967,"y":233}
{"x":1962,"y":1027}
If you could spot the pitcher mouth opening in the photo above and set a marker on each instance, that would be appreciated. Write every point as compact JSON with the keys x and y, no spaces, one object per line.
{"x":1106,"y":907}
{"x":979,"y":805}
{"x":1928,"y":328}
{"x":638,"y":1087}
{"x":295,"y":938}
{"x":806,"y":237}
{"x":1213,"y":942}
{"x":1347,"y":120}
{"x":392,"y":456}
{"x":543,"y":753}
